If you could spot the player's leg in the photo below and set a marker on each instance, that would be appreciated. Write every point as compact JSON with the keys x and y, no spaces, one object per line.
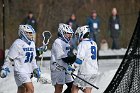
{"x":87,"y":90}
{"x":21,"y":89}
{"x":58,"y":80}
{"x":58,"y":88}
{"x":29,"y":87}
{"x":69,"y":83}
{"x":92,"y":79}
{"x":74,"y":89}
{"x":69,"y":86}
{"x":23,"y":82}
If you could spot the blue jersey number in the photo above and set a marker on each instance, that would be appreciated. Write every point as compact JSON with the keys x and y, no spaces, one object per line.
{"x":93,"y":52}
{"x":29,"y":57}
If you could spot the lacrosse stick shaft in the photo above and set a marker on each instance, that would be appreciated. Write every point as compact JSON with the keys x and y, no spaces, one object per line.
{"x":79,"y":87}
{"x":46,"y":37}
{"x":41,"y":60}
{"x":72,"y":74}
{"x":84,"y":81}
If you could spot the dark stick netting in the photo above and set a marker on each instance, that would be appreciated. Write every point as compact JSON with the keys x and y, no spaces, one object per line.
{"x":127,"y":77}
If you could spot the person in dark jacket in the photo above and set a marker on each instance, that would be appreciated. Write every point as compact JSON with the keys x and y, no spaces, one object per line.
{"x":114,"y":27}
{"x":30,"y":20}
{"x":94,"y":24}
{"x":72,"y":22}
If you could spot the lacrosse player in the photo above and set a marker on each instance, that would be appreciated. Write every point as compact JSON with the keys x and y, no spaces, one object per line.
{"x":22,"y":53}
{"x":60,"y":58}
{"x":86,"y":60}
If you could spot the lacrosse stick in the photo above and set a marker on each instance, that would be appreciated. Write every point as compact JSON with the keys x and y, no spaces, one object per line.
{"x":44,"y":80}
{"x":72,"y":74}
{"x":79,"y":87}
{"x":46,"y":38}
{"x":84,"y":80}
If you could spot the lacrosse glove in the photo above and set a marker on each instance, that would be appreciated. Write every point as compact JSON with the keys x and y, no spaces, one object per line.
{"x":70,"y":70}
{"x":37,"y":73}
{"x":70,"y":59}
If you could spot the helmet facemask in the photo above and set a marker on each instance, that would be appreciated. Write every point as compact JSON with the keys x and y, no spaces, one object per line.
{"x":68,"y":36}
{"x":29,"y":35}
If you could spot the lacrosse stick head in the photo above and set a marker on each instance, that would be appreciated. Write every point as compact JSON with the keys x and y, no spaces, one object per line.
{"x":46,"y":37}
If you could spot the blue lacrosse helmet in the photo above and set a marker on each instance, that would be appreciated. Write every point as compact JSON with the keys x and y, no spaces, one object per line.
{"x":26,"y":32}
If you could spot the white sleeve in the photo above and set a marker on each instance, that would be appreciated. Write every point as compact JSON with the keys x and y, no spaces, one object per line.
{"x":81,"y":52}
{"x":59,"y":51}
{"x":34,"y":64}
{"x":12,"y":54}
{"x":14,"y":51}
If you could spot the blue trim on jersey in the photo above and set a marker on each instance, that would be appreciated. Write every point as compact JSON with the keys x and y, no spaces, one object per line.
{"x":78,"y":61}
{"x":25,"y":40}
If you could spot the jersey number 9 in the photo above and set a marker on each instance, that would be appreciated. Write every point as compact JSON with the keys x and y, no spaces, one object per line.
{"x":93,"y":52}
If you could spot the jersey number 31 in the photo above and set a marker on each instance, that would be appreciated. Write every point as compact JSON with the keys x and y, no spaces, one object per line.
{"x":29,"y":57}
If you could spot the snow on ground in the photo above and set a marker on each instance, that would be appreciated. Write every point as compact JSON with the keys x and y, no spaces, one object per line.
{"x":107,"y":69}
{"x":112,"y":52}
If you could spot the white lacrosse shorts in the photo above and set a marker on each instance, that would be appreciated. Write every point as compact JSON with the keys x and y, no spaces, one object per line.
{"x":21,"y":78}
{"x":60,"y":77}
{"x":89,"y":78}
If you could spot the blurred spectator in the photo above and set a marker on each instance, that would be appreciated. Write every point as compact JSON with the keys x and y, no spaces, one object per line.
{"x":30,"y":20}
{"x":94,"y":24}
{"x":72,"y":22}
{"x":114,"y":27}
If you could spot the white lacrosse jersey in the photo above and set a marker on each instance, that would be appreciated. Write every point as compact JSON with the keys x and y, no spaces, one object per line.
{"x":23,"y":56}
{"x":59,"y":50}
{"x":87,"y":52}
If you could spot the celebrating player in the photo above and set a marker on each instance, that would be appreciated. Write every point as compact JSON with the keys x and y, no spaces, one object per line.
{"x":60,"y":58}
{"x":86,"y":60}
{"x":22,"y":53}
